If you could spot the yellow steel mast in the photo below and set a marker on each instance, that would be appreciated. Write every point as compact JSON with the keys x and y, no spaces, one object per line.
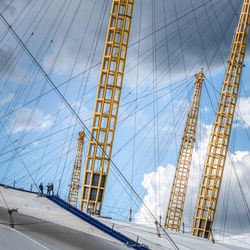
{"x":215,"y":161}
{"x":76,"y":173}
{"x":178,"y":193}
{"x":106,"y":106}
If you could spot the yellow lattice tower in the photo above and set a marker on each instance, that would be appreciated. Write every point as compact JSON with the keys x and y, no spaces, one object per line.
{"x":218,"y":147}
{"x":106,"y":106}
{"x":76,"y":173}
{"x":178,"y":193}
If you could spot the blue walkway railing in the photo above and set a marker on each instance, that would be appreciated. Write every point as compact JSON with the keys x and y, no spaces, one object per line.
{"x":92,"y":221}
{"x":87,"y":218}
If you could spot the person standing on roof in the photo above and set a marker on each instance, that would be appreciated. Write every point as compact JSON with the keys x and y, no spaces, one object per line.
{"x":52,"y":188}
{"x":41,"y":187}
{"x":48,"y":189}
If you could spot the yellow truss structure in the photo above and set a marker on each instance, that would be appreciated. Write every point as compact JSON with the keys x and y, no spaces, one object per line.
{"x":215,"y":161}
{"x":178,"y":193}
{"x":76,"y":173}
{"x":106,"y":106}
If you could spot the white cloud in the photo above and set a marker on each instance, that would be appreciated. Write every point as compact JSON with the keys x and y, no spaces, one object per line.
{"x":244,"y":111}
{"x":28,"y":119}
{"x":156,"y":201}
{"x":158,"y":185}
{"x":164,"y":177}
{"x":7,"y":99}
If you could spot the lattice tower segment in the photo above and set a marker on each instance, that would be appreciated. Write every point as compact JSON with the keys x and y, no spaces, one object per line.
{"x":179,"y":188}
{"x":106,"y":106}
{"x":218,"y":147}
{"x":76,"y":173}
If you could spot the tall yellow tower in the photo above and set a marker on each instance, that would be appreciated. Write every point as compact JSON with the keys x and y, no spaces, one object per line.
{"x":218,"y":147}
{"x":76,"y":173}
{"x":178,"y":193}
{"x":106,"y":106}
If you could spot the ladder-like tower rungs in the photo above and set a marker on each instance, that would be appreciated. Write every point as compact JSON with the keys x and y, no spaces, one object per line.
{"x":215,"y":161}
{"x":76,"y":173}
{"x":178,"y":193}
{"x":106,"y":106}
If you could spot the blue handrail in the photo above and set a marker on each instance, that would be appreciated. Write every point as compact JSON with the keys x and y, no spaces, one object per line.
{"x":96,"y":223}
{"x":87,"y":218}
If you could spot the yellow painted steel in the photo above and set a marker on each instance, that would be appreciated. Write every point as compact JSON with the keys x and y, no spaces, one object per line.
{"x":76,"y":173}
{"x":178,"y":193}
{"x":215,"y":161}
{"x":106,"y":107}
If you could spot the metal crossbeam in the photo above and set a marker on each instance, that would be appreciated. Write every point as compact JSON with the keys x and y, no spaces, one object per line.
{"x":106,"y":107}
{"x":215,"y":161}
{"x":76,"y":173}
{"x":178,"y":193}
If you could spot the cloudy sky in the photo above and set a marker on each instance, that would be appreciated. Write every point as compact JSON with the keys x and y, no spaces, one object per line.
{"x":169,"y":41}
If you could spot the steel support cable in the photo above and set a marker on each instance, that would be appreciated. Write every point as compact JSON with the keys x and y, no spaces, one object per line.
{"x":77,"y":116}
{"x":151,"y":93}
{"x":167,"y":140}
{"x":62,"y":43}
{"x":32,"y":112}
{"x":215,"y":37}
{"x":4,"y":200}
{"x":147,"y":154}
{"x":135,"y":113}
{"x":20,"y":90}
{"x":241,"y":190}
{"x":170,"y":23}
{"x":128,"y":46}
{"x":168,"y":63}
{"x":17,"y":153}
{"x":32,"y":164}
{"x":223,"y":33}
{"x":193,"y":39}
{"x":162,"y":62}
{"x":225,"y":212}
{"x":93,"y":47}
{"x":157,"y":118}
{"x":240,"y":115}
{"x":219,"y":24}
{"x":51,"y":169}
{"x":201,"y":41}
{"x":147,"y":124}
{"x":7,"y":6}
{"x":141,"y":189}
{"x":141,"y":131}
{"x":15,"y":20}
{"x":164,"y":109}
{"x":34,"y":150}
{"x":74,"y":107}
{"x":29,"y":72}
{"x":145,"y":166}
{"x":81,"y":43}
{"x":41,"y":137}
{"x":47,"y":164}
{"x":10,"y":56}
{"x":154,"y":100}
{"x":181,"y":44}
{"x":51,"y":90}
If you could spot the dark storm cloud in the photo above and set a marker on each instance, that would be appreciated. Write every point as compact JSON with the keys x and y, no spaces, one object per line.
{"x":200,"y":37}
